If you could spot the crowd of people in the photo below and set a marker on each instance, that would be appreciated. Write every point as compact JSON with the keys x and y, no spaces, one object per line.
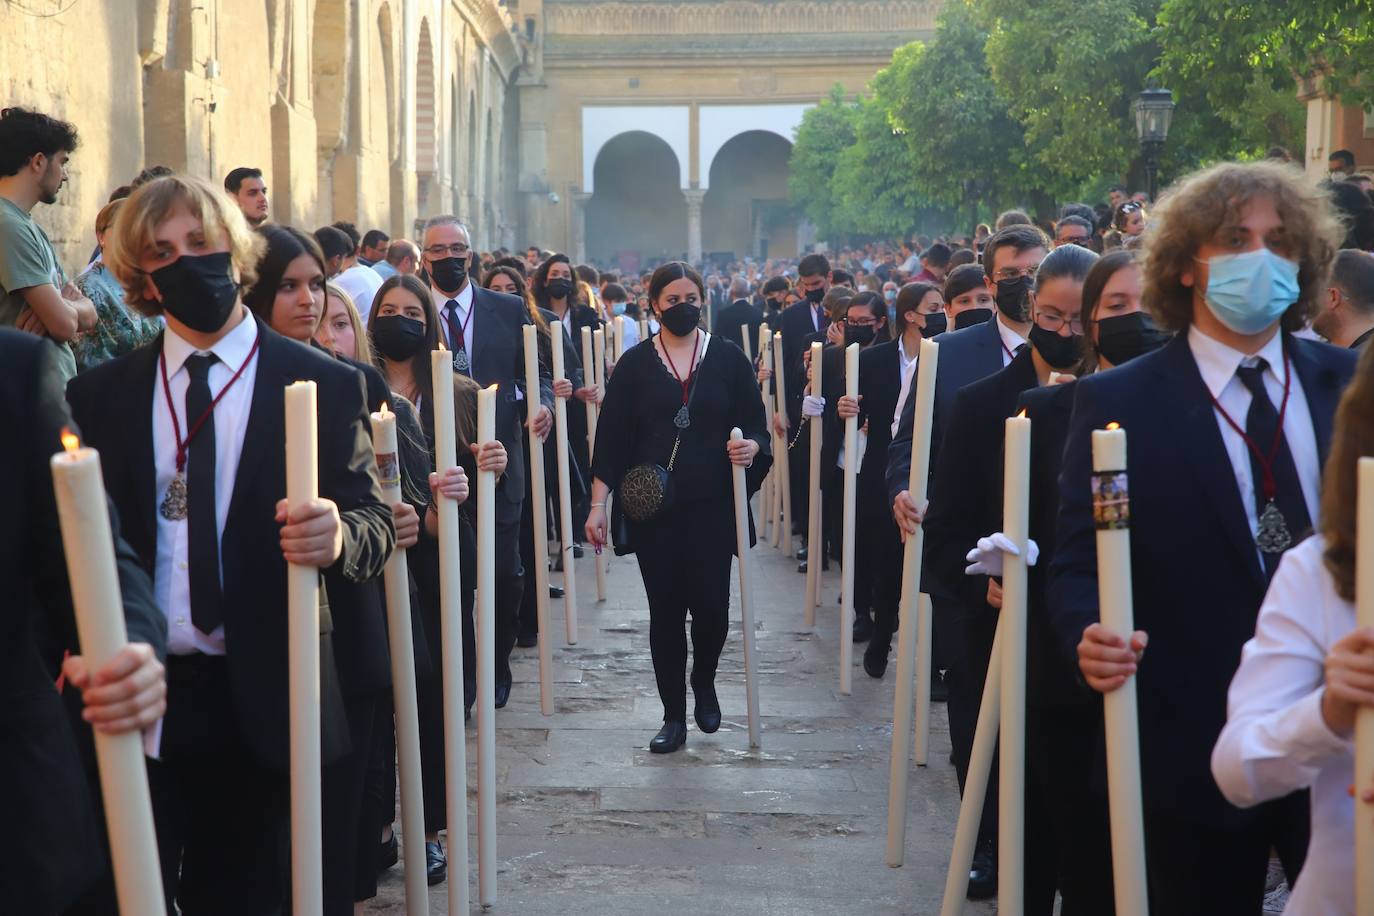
{"x":1197,"y":324}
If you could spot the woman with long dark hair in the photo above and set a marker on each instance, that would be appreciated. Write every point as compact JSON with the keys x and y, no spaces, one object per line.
{"x":669,"y":408}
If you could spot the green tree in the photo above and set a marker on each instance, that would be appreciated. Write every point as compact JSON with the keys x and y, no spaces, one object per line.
{"x":825,"y":132}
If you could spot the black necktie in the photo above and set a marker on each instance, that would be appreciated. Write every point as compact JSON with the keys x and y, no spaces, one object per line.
{"x":206,"y":596}
{"x":1262,"y":426}
{"x":455,"y":327}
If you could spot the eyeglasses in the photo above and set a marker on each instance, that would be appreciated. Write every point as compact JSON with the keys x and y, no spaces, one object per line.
{"x":1015,"y":273}
{"x":1082,"y":240}
{"x":861,"y":323}
{"x":457,"y":250}
{"x":1055,"y":323}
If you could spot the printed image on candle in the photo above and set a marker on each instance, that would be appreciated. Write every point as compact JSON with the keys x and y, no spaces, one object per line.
{"x":1111,"y":500}
{"x":388,"y":470}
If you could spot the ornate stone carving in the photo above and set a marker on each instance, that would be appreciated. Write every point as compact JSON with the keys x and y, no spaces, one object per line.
{"x":732,"y":17}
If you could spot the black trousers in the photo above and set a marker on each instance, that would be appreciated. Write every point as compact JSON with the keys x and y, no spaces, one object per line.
{"x":510,"y":587}
{"x":684,"y":559}
{"x":221,"y":817}
{"x":342,"y":791}
{"x":878,"y":571}
{"x":799,"y":479}
{"x":1202,"y":868}
{"x":429,"y":693}
{"x":973,"y":634}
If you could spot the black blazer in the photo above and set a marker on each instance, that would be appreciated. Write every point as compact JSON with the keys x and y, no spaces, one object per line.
{"x":797,"y":334}
{"x":880,"y":381}
{"x":966,"y":493}
{"x":736,"y":316}
{"x":583,"y":316}
{"x":966,"y":355}
{"x":1197,"y":580}
{"x":111,"y":403}
{"x":45,"y":865}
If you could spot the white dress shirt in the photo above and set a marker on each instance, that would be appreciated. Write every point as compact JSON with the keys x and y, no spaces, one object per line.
{"x":1010,"y":340}
{"x":908,"y":370}
{"x":464,"y":299}
{"x":1276,"y":741}
{"x":631,"y":332}
{"x":361,"y":283}
{"x":171,"y":572}
{"x":1217,"y":364}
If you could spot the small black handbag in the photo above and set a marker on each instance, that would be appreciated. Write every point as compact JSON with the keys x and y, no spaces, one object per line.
{"x":646,"y":490}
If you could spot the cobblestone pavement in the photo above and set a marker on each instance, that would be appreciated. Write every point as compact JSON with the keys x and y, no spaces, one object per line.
{"x":590,"y":822}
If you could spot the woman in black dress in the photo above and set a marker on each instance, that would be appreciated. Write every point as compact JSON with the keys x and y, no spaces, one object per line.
{"x":681,"y":384}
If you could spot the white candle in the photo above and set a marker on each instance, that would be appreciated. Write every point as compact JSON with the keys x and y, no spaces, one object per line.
{"x":619,"y":337}
{"x":746,"y":342}
{"x":599,"y":355}
{"x":1111,"y":509}
{"x":1011,"y":825}
{"x":781,"y":450}
{"x":560,"y":425}
{"x":643,"y":329}
{"x":766,"y":503}
{"x":851,"y":479}
{"x":588,"y":381}
{"x":539,"y":524}
{"x":746,"y":604}
{"x":451,"y":628}
{"x":397,"y":580}
{"x":815,"y":540}
{"x":913,"y":629}
{"x":303,"y":637}
{"x":486,"y":657}
{"x":84,"y":515}
{"x":1364,"y":719}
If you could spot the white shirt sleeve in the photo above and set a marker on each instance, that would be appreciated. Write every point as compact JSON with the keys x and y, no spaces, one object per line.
{"x":1275,"y":739}
{"x":902,"y":393}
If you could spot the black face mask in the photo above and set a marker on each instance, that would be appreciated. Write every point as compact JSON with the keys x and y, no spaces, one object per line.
{"x":1121,"y":338}
{"x":1060,"y":352}
{"x":815,"y":296}
{"x":449,"y":274}
{"x":969,"y":317}
{"x":1011,"y":297}
{"x":559,"y":289}
{"x":198,"y":291}
{"x":936,"y":323}
{"x":397,"y":337}
{"x":862,"y":335}
{"x":681,"y":319}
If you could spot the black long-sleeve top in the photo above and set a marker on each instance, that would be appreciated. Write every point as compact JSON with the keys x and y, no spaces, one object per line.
{"x":636,"y":422}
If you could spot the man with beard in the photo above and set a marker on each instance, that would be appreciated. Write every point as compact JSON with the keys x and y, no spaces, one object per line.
{"x":35,"y":295}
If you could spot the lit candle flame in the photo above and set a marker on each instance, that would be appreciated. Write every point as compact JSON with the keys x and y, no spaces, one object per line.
{"x":385,"y":409}
{"x":1113,"y":425}
{"x":70,"y":441}
{"x":1022,"y":414}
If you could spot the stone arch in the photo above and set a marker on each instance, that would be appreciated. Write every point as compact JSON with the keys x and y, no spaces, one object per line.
{"x":637,"y":214}
{"x":426,"y":120}
{"x":454,"y":145}
{"x":472,"y":148}
{"x":489,"y":178}
{"x":331,"y":75}
{"x":719,"y":124}
{"x":384,"y":127}
{"x":745,"y":210}
{"x":602,"y":125}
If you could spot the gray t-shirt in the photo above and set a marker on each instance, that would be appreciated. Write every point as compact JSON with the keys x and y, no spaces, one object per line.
{"x":27,"y":259}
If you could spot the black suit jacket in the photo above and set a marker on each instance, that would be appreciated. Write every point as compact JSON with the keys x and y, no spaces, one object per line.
{"x":112,"y":404}
{"x":797,"y":334}
{"x":1196,"y":576}
{"x":48,"y":861}
{"x":738,"y":315}
{"x":880,"y":381}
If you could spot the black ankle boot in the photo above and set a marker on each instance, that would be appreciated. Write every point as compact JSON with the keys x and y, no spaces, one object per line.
{"x":670,"y":737}
{"x":707,"y":712}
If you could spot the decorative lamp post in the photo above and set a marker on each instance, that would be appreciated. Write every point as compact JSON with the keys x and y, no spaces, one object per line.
{"x":1153,"y":109}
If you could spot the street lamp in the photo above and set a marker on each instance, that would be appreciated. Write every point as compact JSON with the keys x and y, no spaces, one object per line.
{"x":1153,"y":109}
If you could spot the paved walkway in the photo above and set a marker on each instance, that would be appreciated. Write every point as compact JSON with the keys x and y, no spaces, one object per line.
{"x":590,"y":822}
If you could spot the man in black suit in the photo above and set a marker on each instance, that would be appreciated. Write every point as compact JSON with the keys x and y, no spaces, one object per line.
{"x":740,"y":317}
{"x":967,"y":355}
{"x":199,"y":480}
{"x":1234,"y":281}
{"x":58,"y":851}
{"x":801,"y":322}
{"x":483,"y":329}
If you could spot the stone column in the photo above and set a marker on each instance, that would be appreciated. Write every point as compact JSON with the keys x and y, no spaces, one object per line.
{"x":694,"y":198}
{"x":580,"y":227}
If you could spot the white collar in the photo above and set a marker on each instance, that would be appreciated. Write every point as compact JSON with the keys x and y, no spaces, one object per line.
{"x":232,"y":349}
{"x":1010,"y":338}
{"x":464,"y":298}
{"x":1217,"y":362}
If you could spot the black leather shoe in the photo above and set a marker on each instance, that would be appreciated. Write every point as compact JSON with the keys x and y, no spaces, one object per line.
{"x":389,"y":854}
{"x":436,"y":865}
{"x":555,"y":591}
{"x":939,"y":691}
{"x":863,"y":628}
{"x":670,"y":737}
{"x":801,"y":567}
{"x":982,"y":877}
{"x":577,"y":551}
{"x":801,"y":552}
{"x":707,"y":712}
{"x":875,"y":659}
{"x":527,"y":640}
{"x":502,"y":693}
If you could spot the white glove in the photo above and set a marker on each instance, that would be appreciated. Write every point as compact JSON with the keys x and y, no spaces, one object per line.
{"x":986,"y":558}
{"x":812,"y":406}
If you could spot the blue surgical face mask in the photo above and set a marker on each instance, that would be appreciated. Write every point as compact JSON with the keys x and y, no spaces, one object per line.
{"x":617,"y":308}
{"x":890,"y":295}
{"x":1248,"y":292}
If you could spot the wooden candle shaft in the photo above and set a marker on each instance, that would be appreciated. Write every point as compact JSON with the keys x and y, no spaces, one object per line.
{"x":539,"y":524}
{"x":909,"y":636}
{"x":565,"y":526}
{"x":599,"y":356}
{"x":1364,"y":719}
{"x":588,"y":381}
{"x":1012,"y":758}
{"x":746,"y":601}
{"x":815,"y":540}
{"x":851,"y":478}
{"x":303,"y":638}
{"x":451,"y":629}
{"x":486,"y":657}
{"x":1114,"y":598}
{"x":83,"y":514}
{"x":780,"y":377}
